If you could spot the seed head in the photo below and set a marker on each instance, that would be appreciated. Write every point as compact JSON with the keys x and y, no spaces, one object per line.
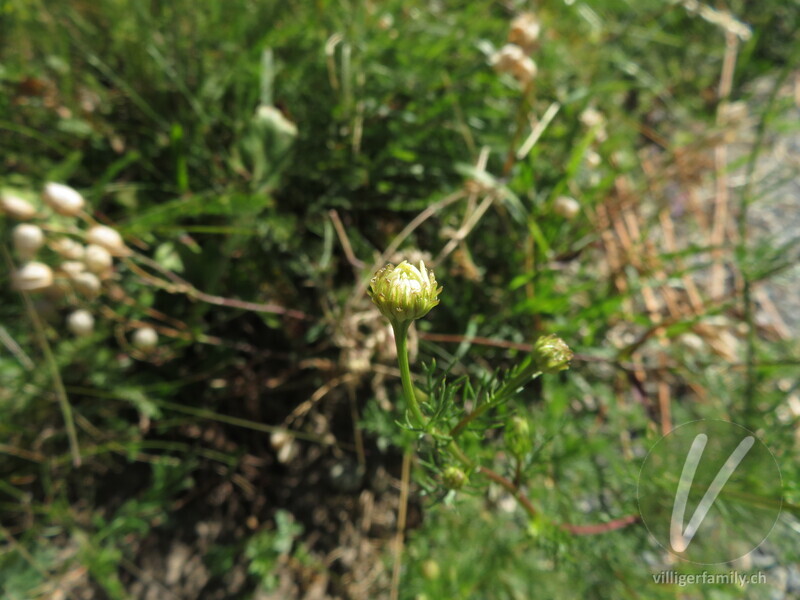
{"x":87,"y":284}
{"x":33,"y":277}
{"x":98,"y":259}
{"x":108,"y":238}
{"x":27,"y":239}
{"x":404,"y":293}
{"x":17,"y":208}
{"x":68,"y":248}
{"x":81,"y":322}
{"x":145,"y":339}
{"x":566,"y":207}
{"x":63,"y":199}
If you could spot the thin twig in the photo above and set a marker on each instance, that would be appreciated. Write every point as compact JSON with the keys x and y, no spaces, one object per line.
{"x":181,"y":286}
{"x":356,"y":262}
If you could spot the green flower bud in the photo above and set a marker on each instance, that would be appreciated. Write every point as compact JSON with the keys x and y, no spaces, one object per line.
{"x":454,"y":478}
{"x":518,"y":436}
{"x":431,"y":570}
{"x":404,"y":293}
{"x":551,"y":354}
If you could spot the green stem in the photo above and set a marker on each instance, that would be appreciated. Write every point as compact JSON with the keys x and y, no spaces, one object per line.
{"x":401,"y":341}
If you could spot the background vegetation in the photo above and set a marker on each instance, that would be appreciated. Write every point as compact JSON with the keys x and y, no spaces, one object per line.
{"x":188,"y":485}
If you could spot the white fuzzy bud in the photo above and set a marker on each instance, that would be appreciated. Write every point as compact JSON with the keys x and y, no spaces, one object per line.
{"x":33,"y":277}
{"x":108,"y":238}
{"x":97,"y":259}
{"x":27,"y":240}
{"x":566,"y":207}
{"x":145,"y":339}
{"x":87,"y":284}
{"x":63,"y":199}
{"x":81,"y":322}
{"x":68,"y":248}
{"x":17,"y":208}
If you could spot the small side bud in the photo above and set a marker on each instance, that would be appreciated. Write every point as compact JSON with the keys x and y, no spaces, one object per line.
{"x":453,"y":478}
{"x":518,"y":436}
{"x":551,"y":354}
{"x":431,"y":570}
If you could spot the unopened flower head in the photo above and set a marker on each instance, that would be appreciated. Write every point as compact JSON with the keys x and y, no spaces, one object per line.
{"x":404,"y":293}
{"x":454,"y":478}
{"x":551,"y":354}
{"x":518,"y":436}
